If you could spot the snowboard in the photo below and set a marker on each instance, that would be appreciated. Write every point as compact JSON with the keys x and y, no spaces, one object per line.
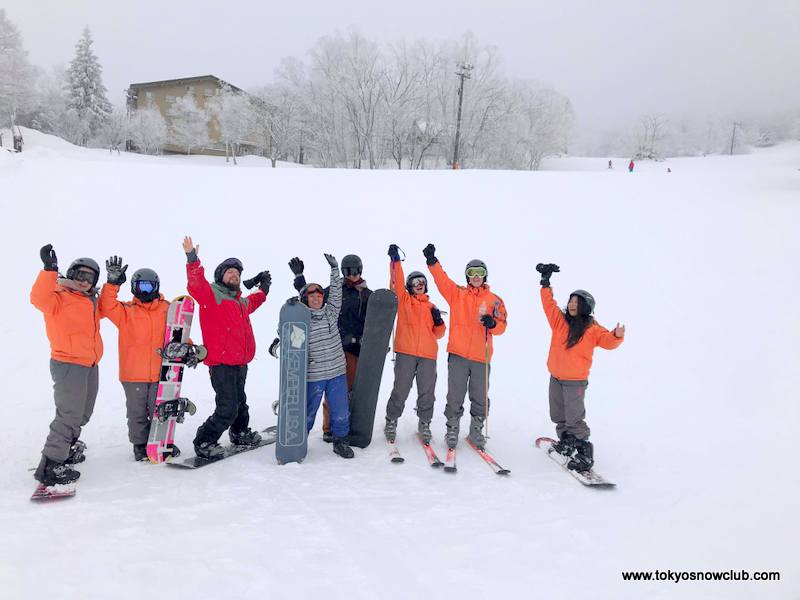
{"x":177,"y":354}
{"x":268,"y":436}
{"x":292,"y":443}
{"x":381,"y":311}
{"x":54,"y":492}
{"x":589,"y":477}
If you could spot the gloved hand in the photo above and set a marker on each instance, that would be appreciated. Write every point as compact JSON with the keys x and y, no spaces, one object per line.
{"x":437,"y":316}
{"x":48,"y":256}
{"x":297,"y":266}
{"x":115,"y":270}
{"x":332,"y":261}
{"x":265,"y":282}
{"x":394,"y":253}
{"x":546,"y":270}
{"x":429,"y":251}
{"x":190,"y":249}
{"x":488,"y":321}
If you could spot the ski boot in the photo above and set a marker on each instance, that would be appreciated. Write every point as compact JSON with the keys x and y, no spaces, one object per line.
{"x":51,"y":472}
{"x":140,"y":452}
{"x":424,"y":430}
{"x":566,"y":445}
{"x":475,"y":434}
{"x":209,"y":450}
{"x":327,"y":437}
{"x":76,"y":453}
{"x":390,"y":429}
{"x":451,"y":435}
{"x":341,"y":446}
{"x":172,"y":451}
{"x":246,"y":437}
{"x":583,"y":459}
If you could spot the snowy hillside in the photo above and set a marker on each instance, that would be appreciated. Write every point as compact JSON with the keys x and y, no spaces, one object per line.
{"x":694,"y":416}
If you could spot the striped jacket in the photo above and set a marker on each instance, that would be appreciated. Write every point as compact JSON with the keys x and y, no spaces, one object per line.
{"x":325,"y":354}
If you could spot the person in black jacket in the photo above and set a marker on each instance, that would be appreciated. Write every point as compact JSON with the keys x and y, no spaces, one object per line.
{"x":355,"y":295}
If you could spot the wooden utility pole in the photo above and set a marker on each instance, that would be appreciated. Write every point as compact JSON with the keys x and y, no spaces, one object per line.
{"x":462,"y":73}
{"x":733,"y":135}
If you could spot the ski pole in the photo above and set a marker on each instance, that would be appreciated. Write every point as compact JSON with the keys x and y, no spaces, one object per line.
{"x":486,"y":375}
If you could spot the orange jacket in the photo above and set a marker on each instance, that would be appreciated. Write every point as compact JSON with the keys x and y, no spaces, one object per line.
{"x":72,"y":321}
{"x":416,"y":334}
{"x":467,"y":305}
{"x":572,"y":364}
{"x":142,"y":327}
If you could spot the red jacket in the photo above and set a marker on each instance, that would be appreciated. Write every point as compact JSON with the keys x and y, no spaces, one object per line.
{"x":224,"y":319}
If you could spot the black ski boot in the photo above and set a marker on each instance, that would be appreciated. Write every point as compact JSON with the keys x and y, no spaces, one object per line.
{"x":210,"y":450}
{"x":76,"y":453}
{"x":327,"y":437}
{"x":140,"y":452}
{"x":475,"y":434}
{"x":424,"y":430}
{"x":451,"y":435}
{"x":51,"y":472}
{"x":583,"y":460}
{"x":566,"y":445}
{"x":246,"y":437}
{"x":341,"y":446}
{"x":390,"y":429}
{"x":172,"y":451}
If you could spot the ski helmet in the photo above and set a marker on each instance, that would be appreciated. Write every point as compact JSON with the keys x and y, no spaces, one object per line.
{"x":87,"y":263}
{"x":476,"y":263}
{"x":145,"y":275}
{"x":226,"y":264}
{"x":304,"y":292}
{"x":414,"y":275}
{"x":588,"y":303}
{"x":351,"y":265}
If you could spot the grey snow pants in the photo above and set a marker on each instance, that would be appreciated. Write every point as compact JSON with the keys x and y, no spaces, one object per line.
{"x":140,"y":402}
{"x":406,"y":367}
{"x":567,"y":409}
{"x":465,"y":376}
{"x":75,"y":390}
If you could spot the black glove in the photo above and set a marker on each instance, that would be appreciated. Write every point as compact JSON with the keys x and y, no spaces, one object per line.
{"x":48,"y":256}
{"x":297,"y":266}
{"x":437,"y":316}
{"x":429,"y":252}
{"x":394,"y":253}
{"x":265,"y":282}
{"x":488,"y":321}
{"x":546,"y":270}
{"x":332,"y":261}
{"x":115,"y":270}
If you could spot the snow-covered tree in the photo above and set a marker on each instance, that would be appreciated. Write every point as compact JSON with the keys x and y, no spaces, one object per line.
{"x":114,"y":132}
{"x":147,"y":130}
{"x":188,"y":124}
{"x":234,"y":115}
{"x":16,"y":73}
{"x":85,"y":90}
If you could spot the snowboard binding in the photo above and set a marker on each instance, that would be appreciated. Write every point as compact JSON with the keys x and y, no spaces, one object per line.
{"x":187,"y":354}
{"x":175,"y":408}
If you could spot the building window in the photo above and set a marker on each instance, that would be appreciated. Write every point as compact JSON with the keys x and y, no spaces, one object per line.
{"x":190,"y":89}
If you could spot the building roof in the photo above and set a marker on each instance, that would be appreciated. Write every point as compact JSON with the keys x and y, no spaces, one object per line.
{"x":185,"y":80}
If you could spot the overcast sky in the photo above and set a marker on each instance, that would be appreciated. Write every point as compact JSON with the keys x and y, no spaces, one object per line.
{"x":615,"y":59}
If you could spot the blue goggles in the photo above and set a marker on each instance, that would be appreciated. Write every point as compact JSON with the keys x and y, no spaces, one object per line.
{"x":145,"y":287}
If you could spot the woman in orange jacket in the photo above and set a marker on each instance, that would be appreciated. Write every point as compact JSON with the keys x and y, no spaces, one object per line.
{"x":141,"y":323}
{"x":72,"y":320}
{"x":476,"y":316}
{"x":419,"y":327}
{"x":575,"y":336}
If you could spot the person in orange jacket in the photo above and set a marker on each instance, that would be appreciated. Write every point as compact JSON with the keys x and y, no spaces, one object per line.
{"x":72,"y":320}
{"x":476,"y":316}
{"x":419,"y":327}
{"x":141,"y":323}
{"x":575,"y":336}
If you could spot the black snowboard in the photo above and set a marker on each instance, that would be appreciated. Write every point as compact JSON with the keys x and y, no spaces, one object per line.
{"x":268,"y":436}
{"x":381,"y":311}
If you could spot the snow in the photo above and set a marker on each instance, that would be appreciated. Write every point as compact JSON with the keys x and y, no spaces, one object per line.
{"x":694,"y":416}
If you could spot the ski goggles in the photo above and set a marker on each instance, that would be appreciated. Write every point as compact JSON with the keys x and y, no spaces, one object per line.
{"x":476,"y":272}
{"x":314,"y":289}
{"x":87,"y":276}
{"x":417,"y":281}
{"x":145,"y":287}
{"x":347,"y":271}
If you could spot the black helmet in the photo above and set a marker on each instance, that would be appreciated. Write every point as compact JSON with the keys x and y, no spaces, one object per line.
{"x":476,"y":263}
{"x":226,"y":264}
{"x":87,"y":263}
{"x":351,"y":265}
{"x":145,"y":275}
{"x":588,"y":301}
{"x":414,"y":275}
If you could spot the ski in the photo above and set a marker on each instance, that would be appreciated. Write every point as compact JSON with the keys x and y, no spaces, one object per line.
{"x":450,"y":461}
{"x":430,"y":453}
{"x":195,"y":462}
{"x":394,"y":453}
{"x":489,"y":459}
{"x":589,"y":478}
{"x":54,"y":492}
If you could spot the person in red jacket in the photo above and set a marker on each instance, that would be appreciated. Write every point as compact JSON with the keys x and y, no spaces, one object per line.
{"x":476,"y":316}
{"x":575,"y":336}
{"x":141,"y":323}
{"x":419,"y":327}
{"x":228,"y":337}
{"x":72,"y":320}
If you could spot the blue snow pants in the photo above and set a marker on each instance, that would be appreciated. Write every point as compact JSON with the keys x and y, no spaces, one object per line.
{"x":336,"y":392}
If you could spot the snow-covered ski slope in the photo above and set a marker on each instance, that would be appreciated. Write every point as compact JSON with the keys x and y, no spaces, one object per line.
{"x":694,"y":416}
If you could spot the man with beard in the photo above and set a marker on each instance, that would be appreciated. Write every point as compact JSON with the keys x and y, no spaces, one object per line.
{"x":228,"y":336}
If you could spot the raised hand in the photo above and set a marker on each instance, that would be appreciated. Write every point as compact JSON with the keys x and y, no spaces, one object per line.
{"x":619,"y":330}
{"x":266,"y":281}
{"x":188,"y":245}
{"x":115,"y":270}
{"x":546,"y":270}
{"x":332,"y":261}
{"x":48,"y":256}
{"x":394,"y":252}
{"x":297,"y":266}
{"x":430,"y":254}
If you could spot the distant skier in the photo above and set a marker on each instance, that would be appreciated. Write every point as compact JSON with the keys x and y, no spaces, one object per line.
{"x":141,"y":323}
{"x":326,"y":359}
{"x":355,"y":296}
{"x":575,"y":336}
{"x":630,"y":166}
{"x":476,"y":316}
{"x":610,"y":165}
{"x":72,"y":320}
{"x":419,"y":327}
{"x":228,"y":337}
